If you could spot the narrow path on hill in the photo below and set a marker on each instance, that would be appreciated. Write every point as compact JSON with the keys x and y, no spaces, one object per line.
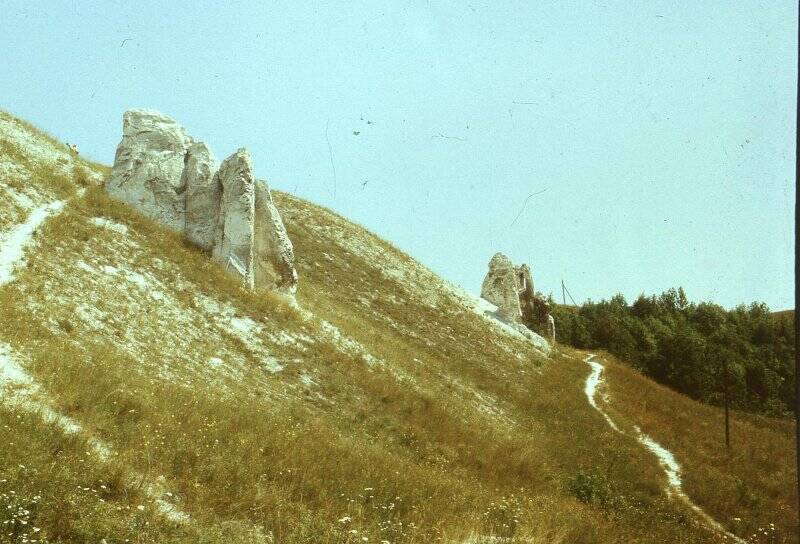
{"x":18,"y":386}
{"x":14,"y":241}
{"x":665,"y":457}
{"x":12,"y":244}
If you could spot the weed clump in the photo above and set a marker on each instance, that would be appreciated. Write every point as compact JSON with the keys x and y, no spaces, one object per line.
{"x":594,"y":487}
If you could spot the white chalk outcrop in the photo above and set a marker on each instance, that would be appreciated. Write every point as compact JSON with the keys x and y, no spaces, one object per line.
{"x":148,"y":166}
{"x":551,"y":328}
{"x":165,"y":174}
{"x":500,"y":287}
{"x":202,"y":195}
{"x":233,"y":239}
{"x":510,"y":289}
{"x":273,"y":251}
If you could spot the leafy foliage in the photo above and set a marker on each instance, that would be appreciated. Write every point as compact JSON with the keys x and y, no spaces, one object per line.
{"x":690,"y":346}
{"x":592,"y":487}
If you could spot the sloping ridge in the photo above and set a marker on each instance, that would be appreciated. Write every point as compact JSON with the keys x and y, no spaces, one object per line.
{"x":384,"y":405}
{"x":141,"y":320}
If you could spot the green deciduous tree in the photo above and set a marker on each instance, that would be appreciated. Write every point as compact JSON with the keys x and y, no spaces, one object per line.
{"x":685,"y":346}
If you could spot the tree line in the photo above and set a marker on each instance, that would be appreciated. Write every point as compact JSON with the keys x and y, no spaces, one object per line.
{"x":696,"y":349}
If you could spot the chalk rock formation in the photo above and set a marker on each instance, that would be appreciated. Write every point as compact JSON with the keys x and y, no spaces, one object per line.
{"x":202,"y":195}
{"x":169,"y":177}
{"x":511,"y":289}
{"x":551,"y":329}
{"x":274,"y":254}
{"x":526,"y":293}
{"x":233,"y":239}
{"x":148,"y":165}
{"x":500,"y":287}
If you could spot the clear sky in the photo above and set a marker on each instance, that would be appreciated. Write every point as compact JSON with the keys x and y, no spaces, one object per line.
{"x":658,"y":135}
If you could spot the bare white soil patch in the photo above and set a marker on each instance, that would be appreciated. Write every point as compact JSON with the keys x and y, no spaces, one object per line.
{"x":488,"y":311}
{"x":32,"y":145}
{"x":109,"y":224}
{"x":13,"y":243}
{"x":20,"y":389}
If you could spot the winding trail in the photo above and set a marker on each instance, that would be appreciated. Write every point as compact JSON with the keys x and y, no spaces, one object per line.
{"x":665,"y":457}
{"x":12,"y":245}
{"x":592,"y":382}
{"x":17,"y":385}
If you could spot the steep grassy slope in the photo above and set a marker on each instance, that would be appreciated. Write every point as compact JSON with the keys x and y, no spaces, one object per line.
{"x":750,"y":488}
{"x":149,"y":398}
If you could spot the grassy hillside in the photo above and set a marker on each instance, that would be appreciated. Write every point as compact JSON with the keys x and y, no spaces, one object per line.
{"x":751,"y":487}
{"x":380,"y":407}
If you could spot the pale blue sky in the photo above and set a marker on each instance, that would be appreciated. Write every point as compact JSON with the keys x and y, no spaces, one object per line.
{"x":662,"y":133}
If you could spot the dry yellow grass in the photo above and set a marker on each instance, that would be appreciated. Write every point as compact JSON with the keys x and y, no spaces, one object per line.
{"x":416,"y":423}
{"x":751,"y":488}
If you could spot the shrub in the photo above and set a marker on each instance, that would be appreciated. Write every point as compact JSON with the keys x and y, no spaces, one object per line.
{"x":593,"y":487}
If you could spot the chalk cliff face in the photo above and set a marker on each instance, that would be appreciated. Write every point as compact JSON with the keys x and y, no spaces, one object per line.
{"x":202,"y":195}
{"x":233,"y":238}
{"x":148,"y":166}
{"x":510,"y":288}
{"x":273,"y":262}
{"x":177,"y":181}
{"x":500,"y":287}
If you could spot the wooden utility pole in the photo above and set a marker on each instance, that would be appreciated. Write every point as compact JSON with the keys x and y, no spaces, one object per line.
{"x":563,"y":293}
{"x":725,"y":395}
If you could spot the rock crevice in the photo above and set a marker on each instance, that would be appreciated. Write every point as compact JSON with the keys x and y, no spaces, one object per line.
{"x":202,"y":195}
{"x":171,"y":178}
